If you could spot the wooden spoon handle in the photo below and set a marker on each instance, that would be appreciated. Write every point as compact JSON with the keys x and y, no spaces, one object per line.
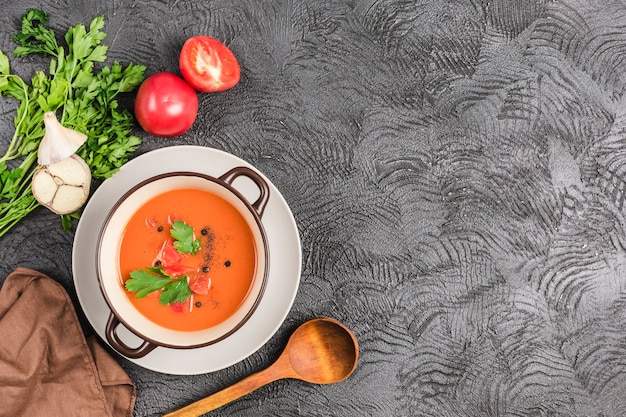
{"x":223,"y":397}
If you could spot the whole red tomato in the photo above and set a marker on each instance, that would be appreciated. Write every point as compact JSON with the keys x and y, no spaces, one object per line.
{"x":208,"y":65}
{"x":166,"y":105}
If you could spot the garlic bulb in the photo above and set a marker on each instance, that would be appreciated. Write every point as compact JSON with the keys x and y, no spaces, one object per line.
{"x":63,"y":186}
{"x":59,"y":142}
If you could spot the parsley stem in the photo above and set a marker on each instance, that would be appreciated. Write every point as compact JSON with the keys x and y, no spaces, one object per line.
{"x":21,"y":186}
{"x":68,"y":91}
{"x":27,"y":172}
{"x":23,"y":201}
{"x":13,"y":150}
{"x":23,"y":206}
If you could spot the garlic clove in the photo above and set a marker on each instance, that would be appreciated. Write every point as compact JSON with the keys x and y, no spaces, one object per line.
{"x":70,"y":170}
{"x":62,"y":187}
{"x":68,"y":199}
{"x":59,"y":142}
{"x":46,"y":186}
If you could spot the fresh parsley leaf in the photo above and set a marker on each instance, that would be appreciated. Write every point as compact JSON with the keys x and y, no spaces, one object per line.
{"x":175,"y":291}
{"x":86,"y":45}
{"x":5,"y":68}
{"x":8,"y":178}
{"x":143,"y":282}
{"x":66,"y":220}
{"x":34,"y":37}
{"x":183,"y":235}
{"x":129,"y":77}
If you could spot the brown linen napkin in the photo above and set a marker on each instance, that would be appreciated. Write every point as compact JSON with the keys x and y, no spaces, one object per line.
{"x":47,"y":367}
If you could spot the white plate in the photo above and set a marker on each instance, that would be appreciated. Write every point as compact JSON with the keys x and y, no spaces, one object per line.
{"x":284,"y":266}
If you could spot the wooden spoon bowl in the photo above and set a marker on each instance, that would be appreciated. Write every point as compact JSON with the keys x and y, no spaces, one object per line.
{"x":322,"y":351}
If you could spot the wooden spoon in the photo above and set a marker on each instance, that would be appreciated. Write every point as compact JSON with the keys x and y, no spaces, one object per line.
{"x":320,"y":351}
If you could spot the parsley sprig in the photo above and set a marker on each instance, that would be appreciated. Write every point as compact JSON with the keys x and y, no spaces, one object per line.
{"x":148,"y":280}
{"x":183,"y":235}
{"x":87,"y":100}
{"x":176,"y":291}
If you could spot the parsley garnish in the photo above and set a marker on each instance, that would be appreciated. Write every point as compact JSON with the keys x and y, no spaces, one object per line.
{"x":184,"y":238}
{"x":175,"y":291}
{"x":83,"y":95}
{"x":148,"y":280}
{"x":143,"y":282}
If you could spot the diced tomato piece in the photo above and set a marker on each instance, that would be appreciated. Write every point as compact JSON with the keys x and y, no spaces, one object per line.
{"x":169,"y":255}
{"x":151,"y":223}
{"x":200,"y":284}
{"x":173,"y":217}
{"x":178,"y":270}
{"x":180,"y":307}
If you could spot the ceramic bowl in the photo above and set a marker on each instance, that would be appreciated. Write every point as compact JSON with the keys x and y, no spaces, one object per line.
{"x":123,"y":313}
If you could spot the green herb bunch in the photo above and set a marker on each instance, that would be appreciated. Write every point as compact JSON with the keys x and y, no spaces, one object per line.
{"x":83,"y":97}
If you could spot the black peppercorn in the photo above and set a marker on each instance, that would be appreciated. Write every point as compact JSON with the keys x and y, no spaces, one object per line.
{"x":205,"y":269}
{"x":198,"y":304}
{"x":227,"y":263}
{"x":160,"y":229}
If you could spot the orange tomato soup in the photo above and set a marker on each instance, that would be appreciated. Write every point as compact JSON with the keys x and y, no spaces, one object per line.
{"x":227,"y":257}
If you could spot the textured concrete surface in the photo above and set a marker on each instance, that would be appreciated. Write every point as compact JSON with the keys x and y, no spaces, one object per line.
{"x":457,"y":170}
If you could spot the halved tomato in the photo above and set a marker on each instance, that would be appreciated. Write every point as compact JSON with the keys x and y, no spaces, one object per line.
{"x":208,"y":65}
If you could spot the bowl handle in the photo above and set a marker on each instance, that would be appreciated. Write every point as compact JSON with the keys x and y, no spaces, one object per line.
{"x":112,"y":337}
{"x":261,"y":202}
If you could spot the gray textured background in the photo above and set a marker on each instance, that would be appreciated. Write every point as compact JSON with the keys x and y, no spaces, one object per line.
{"x":457,"y":171}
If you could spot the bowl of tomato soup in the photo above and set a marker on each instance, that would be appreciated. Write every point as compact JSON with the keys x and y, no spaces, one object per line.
{"x":183,"y":260}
